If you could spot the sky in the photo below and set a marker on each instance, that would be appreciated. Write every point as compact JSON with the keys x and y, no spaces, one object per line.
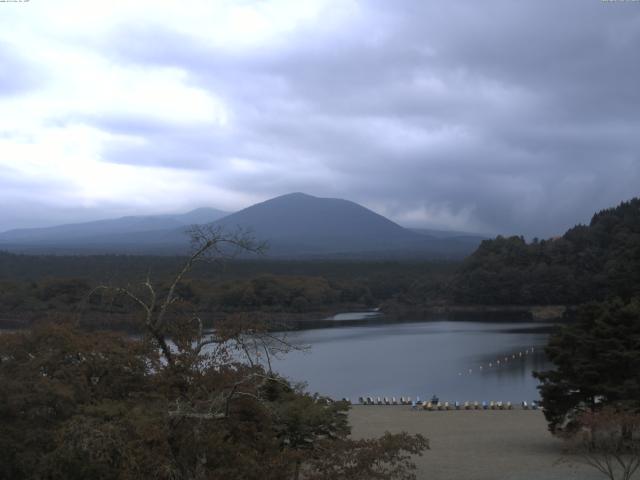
{"x":500,"y":116}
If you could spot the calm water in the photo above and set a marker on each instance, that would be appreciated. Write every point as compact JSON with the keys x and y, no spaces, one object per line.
{"x":422,"y":358}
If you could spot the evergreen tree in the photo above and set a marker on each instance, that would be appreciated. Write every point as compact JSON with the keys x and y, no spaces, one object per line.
{"x":597,"y":364}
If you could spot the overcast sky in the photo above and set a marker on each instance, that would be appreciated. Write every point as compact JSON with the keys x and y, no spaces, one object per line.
{"x":490,"y":116}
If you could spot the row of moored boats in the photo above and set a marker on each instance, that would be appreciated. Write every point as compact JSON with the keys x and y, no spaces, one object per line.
{"x":437,"y":405}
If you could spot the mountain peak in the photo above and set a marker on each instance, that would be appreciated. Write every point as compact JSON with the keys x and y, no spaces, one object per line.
{"x":297,"y":194}
{"x":320,"y":224}
{"x":293,"y":196}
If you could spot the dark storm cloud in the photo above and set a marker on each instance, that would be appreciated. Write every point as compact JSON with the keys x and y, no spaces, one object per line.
{"x":502,"y":116}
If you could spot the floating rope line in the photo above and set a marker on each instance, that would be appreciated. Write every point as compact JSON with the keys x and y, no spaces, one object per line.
{"x":501,"y":361}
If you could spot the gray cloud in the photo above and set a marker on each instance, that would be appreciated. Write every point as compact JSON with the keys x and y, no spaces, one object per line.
{"x":502,"y":116}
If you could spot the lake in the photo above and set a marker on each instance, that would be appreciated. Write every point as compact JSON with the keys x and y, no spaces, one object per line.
{"x":420,"y":358}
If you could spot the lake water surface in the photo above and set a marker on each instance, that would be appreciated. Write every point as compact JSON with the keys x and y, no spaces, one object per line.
{"x":421,"y":358}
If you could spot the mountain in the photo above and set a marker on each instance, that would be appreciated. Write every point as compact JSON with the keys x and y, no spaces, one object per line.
{"x":315,"y":225}
{"x":97,"y":231}
{"x":294,"y":226}
{"x":301,"y":225}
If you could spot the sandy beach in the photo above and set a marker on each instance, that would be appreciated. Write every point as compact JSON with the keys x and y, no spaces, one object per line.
{"x":476,"y":445}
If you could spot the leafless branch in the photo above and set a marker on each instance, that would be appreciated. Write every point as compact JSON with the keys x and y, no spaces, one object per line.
{"x":208,"y":242}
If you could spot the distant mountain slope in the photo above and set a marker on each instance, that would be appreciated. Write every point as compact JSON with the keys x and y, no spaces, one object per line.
{"x":589,"y":262}
{"x":298,"y":224}
{"x":294,"y":225}
{"x":77,"y":232}
{"x":449,"y":234}
{"x":316,"y":225}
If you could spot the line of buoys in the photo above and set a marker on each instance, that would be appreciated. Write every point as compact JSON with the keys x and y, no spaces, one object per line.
{"x":501,"y":361}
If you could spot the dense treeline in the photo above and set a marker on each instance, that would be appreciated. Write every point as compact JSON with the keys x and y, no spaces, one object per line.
{"x":37,"y":287}
{"x":266,"y":292}
{"x":124,"y":268}
{"x":591,"y":262}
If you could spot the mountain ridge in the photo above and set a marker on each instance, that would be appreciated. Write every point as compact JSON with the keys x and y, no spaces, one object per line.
{"x":126,"y":224}
{"x":294,"y":225}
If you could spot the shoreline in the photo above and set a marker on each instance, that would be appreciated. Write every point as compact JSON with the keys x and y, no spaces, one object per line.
{"x":286,"y":321}
{"x":542,"y":313}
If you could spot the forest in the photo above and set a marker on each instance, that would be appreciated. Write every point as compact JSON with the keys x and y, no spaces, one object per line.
{"x":37,"y":287}
{"x":588,"y":262}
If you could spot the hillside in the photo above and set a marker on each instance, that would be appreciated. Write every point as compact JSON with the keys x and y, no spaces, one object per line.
{"x":294,"y":225}
{"x":97,"y":231}
{"x":301,"y":224}
{"x":589,"y":262}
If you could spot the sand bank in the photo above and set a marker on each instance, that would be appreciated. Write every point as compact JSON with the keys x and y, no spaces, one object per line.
{"x":476,"y":445}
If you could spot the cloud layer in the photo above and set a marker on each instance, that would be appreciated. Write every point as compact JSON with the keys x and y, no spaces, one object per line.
{"x":500,"y":116}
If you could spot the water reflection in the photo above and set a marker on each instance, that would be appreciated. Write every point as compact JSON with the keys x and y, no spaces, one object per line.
{"x":421,"y":358}
{"x":355,"y":316}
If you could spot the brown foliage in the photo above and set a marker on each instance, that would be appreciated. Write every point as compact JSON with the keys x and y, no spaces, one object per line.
{"x":179,"y":403}
{"x":100,"y":405}
{"x":609,"y":441}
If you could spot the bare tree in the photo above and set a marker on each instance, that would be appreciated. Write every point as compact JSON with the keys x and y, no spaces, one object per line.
{"x":182,"y":340}
{"x":208,"y":243}
{"x":609,"y":441}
